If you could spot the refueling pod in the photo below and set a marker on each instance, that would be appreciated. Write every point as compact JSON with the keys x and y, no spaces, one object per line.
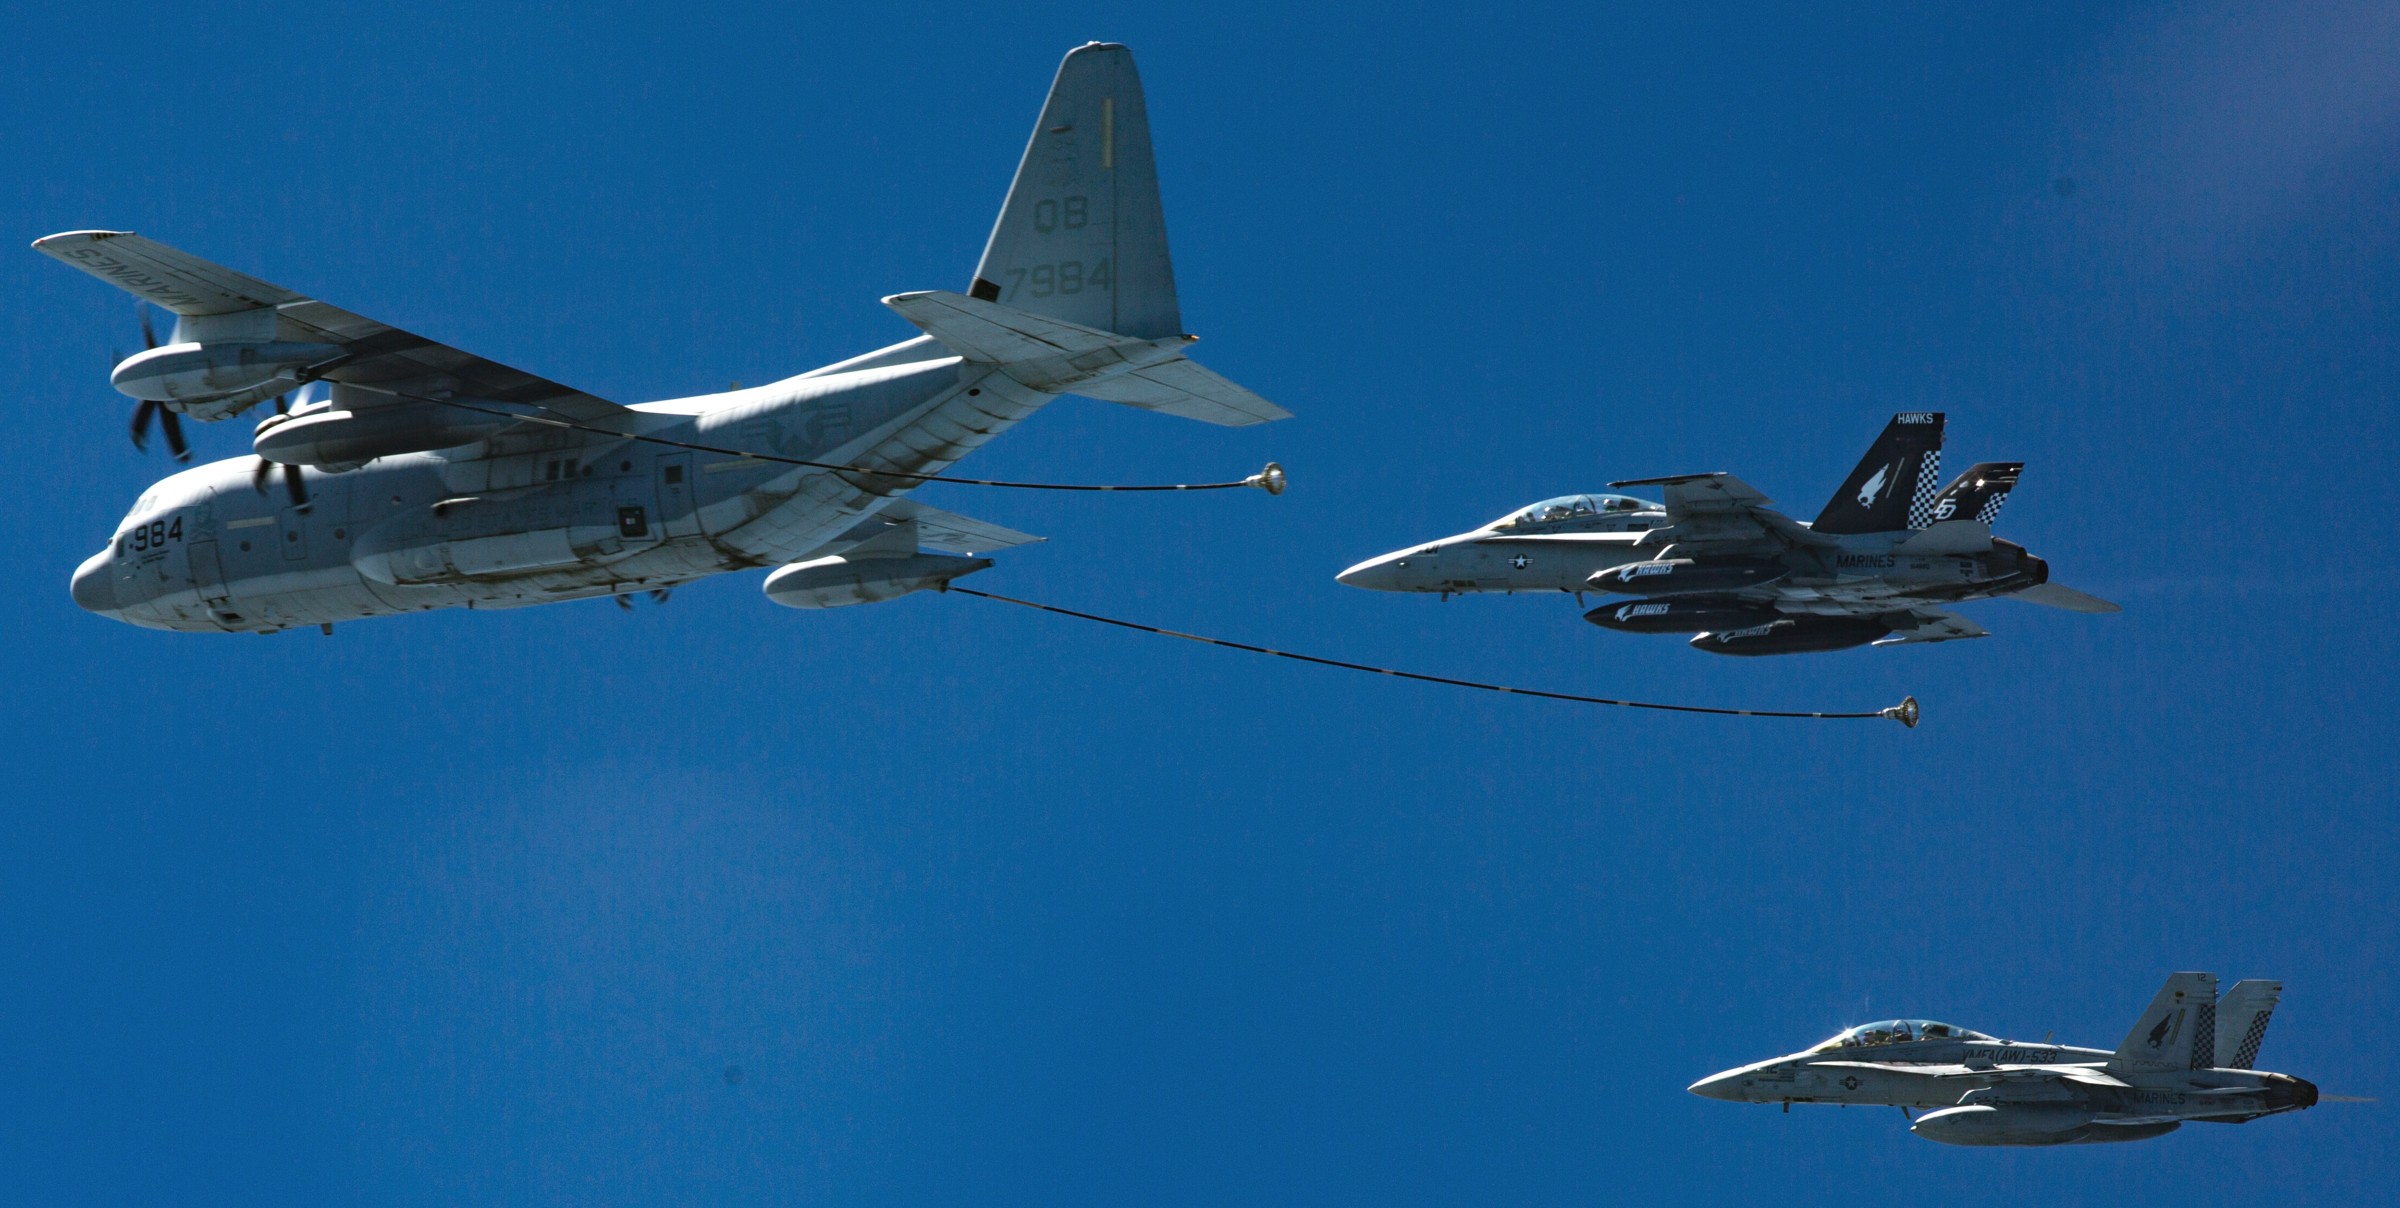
{"x":840,"y":581}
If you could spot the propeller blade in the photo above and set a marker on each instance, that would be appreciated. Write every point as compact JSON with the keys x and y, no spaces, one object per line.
{"x":259,"y":476}
{"x":142,"y":415}
{"x":149,"y":336}
{"x":283,"y":404}
{"x":292,"y":487}
{"x":658,"y":595}
{"x":623,"y":602}
{"x":170,"y":425}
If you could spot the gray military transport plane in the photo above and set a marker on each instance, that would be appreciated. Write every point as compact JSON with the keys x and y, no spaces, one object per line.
{"x":1981,"y":1090}
{"x":1879,"y":564}
{"x":426,"y":477}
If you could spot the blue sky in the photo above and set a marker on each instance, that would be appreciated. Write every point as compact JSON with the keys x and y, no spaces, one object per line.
{"x":990,"y":907}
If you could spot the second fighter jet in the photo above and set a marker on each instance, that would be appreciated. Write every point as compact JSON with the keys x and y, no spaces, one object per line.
{"x":1879,"y":564}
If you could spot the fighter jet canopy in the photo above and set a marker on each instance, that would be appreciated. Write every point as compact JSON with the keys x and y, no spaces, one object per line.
{"x":1572,"y":507}
{"x":1897,"y":1031}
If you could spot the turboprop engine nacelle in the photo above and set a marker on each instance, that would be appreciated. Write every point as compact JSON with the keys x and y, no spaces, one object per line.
{"x":840,"y":581}
{"x":216,"y":379}
{"x":1793,"y":635}
{"x":1678,"y":616}
{"x":1685,"y":576}
{"x":334,"y":438}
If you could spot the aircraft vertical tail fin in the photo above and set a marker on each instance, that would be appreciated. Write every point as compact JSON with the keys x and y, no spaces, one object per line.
{"x":2242,"y":1017}
{"x":2177,"y":1032}
{"x":1893,"y":487}
{"x":1082,"y":236}
{"x":1975,"y":495}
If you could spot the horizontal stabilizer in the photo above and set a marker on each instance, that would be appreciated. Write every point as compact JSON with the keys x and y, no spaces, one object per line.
{"x":1058,"y":357}
{"x":998,"y":335}
{"x":1949,"y":537}
{"x":1186,"y":388}
{"x":1928,"y":625}
{"x":2052,"y":595}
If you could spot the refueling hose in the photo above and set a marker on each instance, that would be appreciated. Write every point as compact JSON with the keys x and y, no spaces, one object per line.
{"x":1905,"y":712}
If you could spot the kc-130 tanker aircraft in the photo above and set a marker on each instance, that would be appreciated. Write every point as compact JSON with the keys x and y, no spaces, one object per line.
{"x":1713,"y":560}
{"x":1987,"y":1091}
{"x":427,"y":477}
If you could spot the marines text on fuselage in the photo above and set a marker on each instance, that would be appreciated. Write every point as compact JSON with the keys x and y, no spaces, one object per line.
{"x":1879,"y":564}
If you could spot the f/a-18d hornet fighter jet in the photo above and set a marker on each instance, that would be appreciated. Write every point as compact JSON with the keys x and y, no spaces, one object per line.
{"x":427,"y":477}
{"x":1878,"y":565}
{"x":1988,"y":1091}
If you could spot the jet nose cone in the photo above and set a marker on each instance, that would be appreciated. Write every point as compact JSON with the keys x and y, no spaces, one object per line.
{"x":1374,"y":574}
{"x":1726,"y":1086}
{"x":95,"y":585}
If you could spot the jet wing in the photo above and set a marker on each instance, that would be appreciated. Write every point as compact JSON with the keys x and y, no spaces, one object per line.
{"x":1705,"y":508}
{"x":1928,"y":625}
{"x":376,"y":355}
{"x":2082,"y":1075}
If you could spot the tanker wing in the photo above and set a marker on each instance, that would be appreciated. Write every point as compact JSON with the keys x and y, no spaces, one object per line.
{"x":217,"y":305}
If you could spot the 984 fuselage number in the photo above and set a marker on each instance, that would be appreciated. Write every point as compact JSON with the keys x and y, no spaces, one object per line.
{"x":153,"y":535}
